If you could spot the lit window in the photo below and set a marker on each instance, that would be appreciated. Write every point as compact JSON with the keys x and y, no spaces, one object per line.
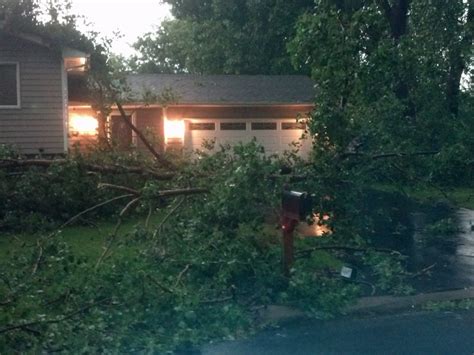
{"x":9,"y":85}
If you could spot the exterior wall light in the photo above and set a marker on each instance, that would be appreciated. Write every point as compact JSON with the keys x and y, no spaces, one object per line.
{"x":174,"y":132}
{"x":83,"y":125}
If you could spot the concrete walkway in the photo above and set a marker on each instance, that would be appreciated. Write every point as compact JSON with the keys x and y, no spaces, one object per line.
{"x":393,"y":303}
{"x":388,"y":326}
{"x":371,"y":305}
{"x":414,"y":333}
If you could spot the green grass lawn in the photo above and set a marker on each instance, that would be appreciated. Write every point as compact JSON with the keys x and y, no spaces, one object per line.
{"x":88,"y":240}
{"x":85,"y":241}
{"x":460,"y":196}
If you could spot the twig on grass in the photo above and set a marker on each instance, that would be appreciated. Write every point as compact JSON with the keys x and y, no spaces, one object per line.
{"x":423,"y":271}
{"x":38,"y":259}
{"x":178,"y":279}
{"x":26,"y":326}
{"x":347,"y":248}
{"x":113,"y":237}
{"x":110,"y":169}
{"x":120,"y":188}
{"x":165,"y":219}
{"x":160,"y":285}
{"x":217,"y":300}
{"x":73,"y":219}
{"x":148,"y":216}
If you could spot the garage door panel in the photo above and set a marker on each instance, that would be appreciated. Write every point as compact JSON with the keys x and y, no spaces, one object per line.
{"x":235,"y":140}
{"x":268,"y":133}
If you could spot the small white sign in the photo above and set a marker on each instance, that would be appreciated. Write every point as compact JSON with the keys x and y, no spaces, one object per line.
{"x":346,"y":272}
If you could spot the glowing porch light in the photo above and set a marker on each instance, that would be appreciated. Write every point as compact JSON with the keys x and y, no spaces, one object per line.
{"x":83,"y":125}
{"x":318,"y":228}
{"x":174,"y":131}
{"x":82,"y":61}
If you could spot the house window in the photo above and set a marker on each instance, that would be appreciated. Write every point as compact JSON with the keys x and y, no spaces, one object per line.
{"x":9,"y":85}
{"x":292,"y":125}
{"x":233,"y":126}
{"x":208,"y":126}
{"x":264,"y":126}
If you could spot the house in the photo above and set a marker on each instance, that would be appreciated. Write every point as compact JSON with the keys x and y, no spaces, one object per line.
{"x":183,"y":110}
{"x":38,"y":115}
{"x":34,"y":92}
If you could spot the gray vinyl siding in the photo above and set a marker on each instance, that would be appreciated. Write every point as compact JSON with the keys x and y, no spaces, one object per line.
{"x":38,"y":123}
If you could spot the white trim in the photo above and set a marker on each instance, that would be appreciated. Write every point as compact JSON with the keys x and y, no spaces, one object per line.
{"x":65,"y":99}
{"x":18,"y":92}
{"x":134,"y":134}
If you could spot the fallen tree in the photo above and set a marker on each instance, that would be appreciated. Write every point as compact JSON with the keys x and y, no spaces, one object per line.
{"x":6,"y":164}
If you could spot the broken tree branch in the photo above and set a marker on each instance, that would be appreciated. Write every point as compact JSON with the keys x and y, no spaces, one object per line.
{"x":217,"y":300}
{"x":71,"y":220}
{"x":389,"y":155}
{"x":113,"y":237}
{"x":38,"y":259}
{"x":120,"y":188}
{"x":423,"y":271}
{"x":26,"y":326}
{"x":170,"y":213}
{"x":109,"y":169}
{"x":183,"y":192}
{"x":160,"y":285}
{"x":159,"y":157}
{"x":347,"y":248}
{"x":178,"y":279}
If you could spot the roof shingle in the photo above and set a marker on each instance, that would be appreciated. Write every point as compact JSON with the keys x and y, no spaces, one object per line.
{"x":226,"y":89}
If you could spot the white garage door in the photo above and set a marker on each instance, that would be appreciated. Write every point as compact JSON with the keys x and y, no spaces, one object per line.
{"x":275,"y":136}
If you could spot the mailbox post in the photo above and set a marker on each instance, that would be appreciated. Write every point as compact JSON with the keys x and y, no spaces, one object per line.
{"x":295,"y":207}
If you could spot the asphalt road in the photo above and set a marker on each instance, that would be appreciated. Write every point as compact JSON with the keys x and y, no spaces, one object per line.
{"x":412,"y":333}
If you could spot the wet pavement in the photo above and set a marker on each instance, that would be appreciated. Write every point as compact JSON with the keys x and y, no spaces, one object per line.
{"x":411,"y":333}
{"x":464,"y":260}
{"x":449,"y":257}
{"x":450,"y":262}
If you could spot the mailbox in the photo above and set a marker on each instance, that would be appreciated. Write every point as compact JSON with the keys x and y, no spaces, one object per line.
{"x":295,"y":205}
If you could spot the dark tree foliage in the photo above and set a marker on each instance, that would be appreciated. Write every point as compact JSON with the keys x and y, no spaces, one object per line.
{"x":223,"y":37}
{"x":390,"y":75}
{"x":19,"y":13}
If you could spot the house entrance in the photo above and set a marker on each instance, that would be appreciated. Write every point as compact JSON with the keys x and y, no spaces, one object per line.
{"x":120,"y":132}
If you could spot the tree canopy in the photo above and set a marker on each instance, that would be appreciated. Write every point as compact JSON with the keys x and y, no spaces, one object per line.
{"x":389,"y":75}
{"x":223,"y":37}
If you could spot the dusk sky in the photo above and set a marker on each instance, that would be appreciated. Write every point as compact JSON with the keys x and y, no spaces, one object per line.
{"x":131,"y":17}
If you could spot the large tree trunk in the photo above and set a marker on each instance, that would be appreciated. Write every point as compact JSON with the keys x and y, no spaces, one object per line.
{"x":458,"y":62}
{"x":397,"y":17}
